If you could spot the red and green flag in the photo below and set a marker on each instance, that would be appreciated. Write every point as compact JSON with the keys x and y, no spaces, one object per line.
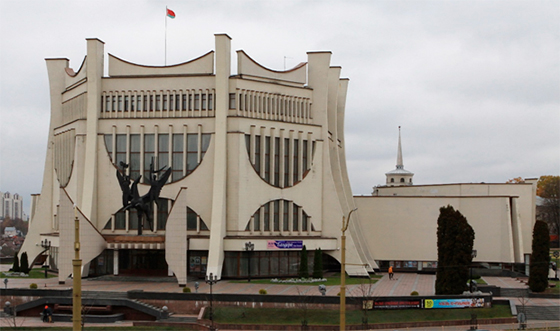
{"x":170,"y":13}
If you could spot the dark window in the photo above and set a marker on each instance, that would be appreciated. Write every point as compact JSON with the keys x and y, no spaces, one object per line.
{"x":296,"y":161}
{"x":277,"y":215}
{"x":192,"y":152}
{"x":162,"y":212}
{"x":120,"y":220}
{"x":258,"y":154}
{"x":134,"y":156}
{"x":197,"y":101}
{"x":232,"y":101}
{"x":149,"y":154}
{"x":257,"y":224}
{"x":267,"y":159}
{"x":266,"y":220}
{"x":177,"y":162}
{"x":286,"y":225}
{"x":286,"y":162}
{"x":191,"y":219}
{"x":276,"y":161}
{"x":163,"y":151}
{"x":121,"y":149}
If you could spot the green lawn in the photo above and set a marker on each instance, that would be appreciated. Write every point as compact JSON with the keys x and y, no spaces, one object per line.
{"x":332,"y":279}
{"x":554,"y":290}
{"x":34,"y":273}
{"x":236,"y":315}
{"x":480,"y":281}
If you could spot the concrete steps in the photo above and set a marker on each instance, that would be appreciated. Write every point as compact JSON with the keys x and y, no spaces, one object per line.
{"x":541,"y":313}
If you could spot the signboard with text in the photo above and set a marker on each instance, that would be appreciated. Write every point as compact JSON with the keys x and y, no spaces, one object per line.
{"x":285,"y":244}
{"x":397,"y":304}
{"x":454,"y":303}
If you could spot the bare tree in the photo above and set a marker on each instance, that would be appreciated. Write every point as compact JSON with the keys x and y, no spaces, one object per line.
{"x":303,"y":306}
{"x":365,"y":290}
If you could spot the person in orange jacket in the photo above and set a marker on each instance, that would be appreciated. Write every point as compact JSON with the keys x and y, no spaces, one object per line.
{"x":391,"y":272}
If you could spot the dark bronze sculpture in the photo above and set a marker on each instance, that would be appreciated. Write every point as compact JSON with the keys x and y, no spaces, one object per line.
{"x":143,"y":204}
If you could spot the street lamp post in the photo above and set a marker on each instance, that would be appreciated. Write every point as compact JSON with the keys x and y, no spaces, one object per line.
{"x":211,"y":280}
{"x":345,"y":222}
{"x":46,"y":244}
{"x":249,"y":247}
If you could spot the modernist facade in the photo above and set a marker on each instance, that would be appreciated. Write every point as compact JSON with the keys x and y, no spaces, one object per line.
{"x":256,"y":156}
{"x":257,"y":162}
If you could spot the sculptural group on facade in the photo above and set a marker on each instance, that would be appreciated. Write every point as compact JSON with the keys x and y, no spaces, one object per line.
{"x":143,"y":204}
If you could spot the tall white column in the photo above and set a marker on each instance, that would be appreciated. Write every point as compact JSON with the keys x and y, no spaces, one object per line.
{"x":219,"y":186}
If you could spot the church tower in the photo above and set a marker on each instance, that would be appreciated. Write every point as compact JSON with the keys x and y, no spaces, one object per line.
{"x":400,"y":176}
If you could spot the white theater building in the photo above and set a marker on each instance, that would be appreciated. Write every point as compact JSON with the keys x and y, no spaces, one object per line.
{"x":257,"y":156}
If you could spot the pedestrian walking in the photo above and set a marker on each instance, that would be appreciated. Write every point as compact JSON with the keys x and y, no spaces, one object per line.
{"x":391,"y":272}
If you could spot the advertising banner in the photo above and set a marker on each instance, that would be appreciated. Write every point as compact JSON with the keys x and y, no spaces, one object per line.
{"x":285,"y":244}
{"x":454,"y":303}
{"x":397,"y":304}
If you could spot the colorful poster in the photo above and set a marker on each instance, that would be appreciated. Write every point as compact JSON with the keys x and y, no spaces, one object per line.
{"x":285,"y":244}
{"x":454,"y":303}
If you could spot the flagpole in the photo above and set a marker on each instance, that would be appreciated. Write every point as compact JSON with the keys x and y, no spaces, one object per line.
{"x":165,"y":60}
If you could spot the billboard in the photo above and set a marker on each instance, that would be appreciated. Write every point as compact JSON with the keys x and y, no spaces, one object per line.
{"x":454,"y":303}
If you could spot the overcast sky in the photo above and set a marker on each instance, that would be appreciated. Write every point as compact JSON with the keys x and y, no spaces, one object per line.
{"x":475,"y":85}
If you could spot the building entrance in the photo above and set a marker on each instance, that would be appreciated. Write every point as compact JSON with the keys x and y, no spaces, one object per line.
{"x":142,"y":262}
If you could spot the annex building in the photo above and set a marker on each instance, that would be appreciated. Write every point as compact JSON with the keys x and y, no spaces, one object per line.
{"x":257,"y":163}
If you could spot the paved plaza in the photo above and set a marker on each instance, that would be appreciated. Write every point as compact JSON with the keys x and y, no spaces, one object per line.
{"x":402,"y":285}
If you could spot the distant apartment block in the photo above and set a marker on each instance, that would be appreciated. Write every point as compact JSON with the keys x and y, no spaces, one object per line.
{"x":12,"y":206}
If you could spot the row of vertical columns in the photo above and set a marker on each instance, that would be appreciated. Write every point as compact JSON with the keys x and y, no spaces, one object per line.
{"x":270,"y":106}
{"x":190,"y":103}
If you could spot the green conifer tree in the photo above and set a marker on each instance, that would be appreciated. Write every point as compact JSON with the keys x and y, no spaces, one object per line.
{"x":24,"y":265}
{"x":318,"y":264}
{"x":540,"y":258}
{"x":455,"y":244}
{"x":15,"y":267}
{"x":303,"y":267}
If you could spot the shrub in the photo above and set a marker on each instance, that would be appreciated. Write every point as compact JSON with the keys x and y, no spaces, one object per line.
{"x":32,"y":285}
{"x":186,"y":290}
{"x":262,"y":291}
{"x":15,"y":267}
{"x":413,"y":293}
{"x":24,"y":263}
